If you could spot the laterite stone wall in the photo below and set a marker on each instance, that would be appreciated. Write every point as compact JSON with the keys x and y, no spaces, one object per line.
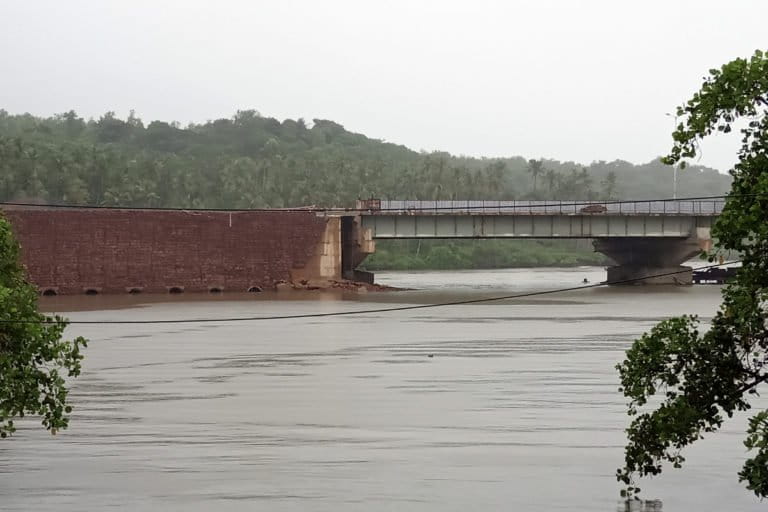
{"x":112,"y":251}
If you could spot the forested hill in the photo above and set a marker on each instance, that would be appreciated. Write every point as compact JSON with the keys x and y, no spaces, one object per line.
{"x":254,"y":161}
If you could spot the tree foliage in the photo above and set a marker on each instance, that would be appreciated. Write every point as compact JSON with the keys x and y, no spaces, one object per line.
{"x":489,"y":253}
{"x":702,"y":376}
{"x":254,"y":161}
{"x":34,"y":360}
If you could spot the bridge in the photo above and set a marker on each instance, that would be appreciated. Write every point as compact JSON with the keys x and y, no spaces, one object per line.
{"x":122,"y":250}
{"x":643,"y":238}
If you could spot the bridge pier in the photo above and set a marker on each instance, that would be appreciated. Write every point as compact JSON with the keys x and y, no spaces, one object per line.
{"x":356,"y":245}
{"x":643,"y":258}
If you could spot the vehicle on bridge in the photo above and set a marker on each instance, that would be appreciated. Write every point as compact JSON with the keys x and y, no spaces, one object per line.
{"x":594,"y":208}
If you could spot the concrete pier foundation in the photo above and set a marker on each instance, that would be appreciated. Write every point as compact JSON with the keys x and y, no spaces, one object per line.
{"x":356,"y":245}
{"x":650,"y":260}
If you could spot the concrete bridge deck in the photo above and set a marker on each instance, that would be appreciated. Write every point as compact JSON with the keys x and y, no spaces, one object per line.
{"x":538,"y":219}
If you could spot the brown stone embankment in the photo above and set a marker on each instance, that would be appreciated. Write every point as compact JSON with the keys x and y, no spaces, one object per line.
{"x":75,"y":251}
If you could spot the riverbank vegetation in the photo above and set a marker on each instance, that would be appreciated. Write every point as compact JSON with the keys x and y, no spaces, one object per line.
{"x":462,"y":254}
{"x":254,"y":161}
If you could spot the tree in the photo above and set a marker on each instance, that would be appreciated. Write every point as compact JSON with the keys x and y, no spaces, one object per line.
{"x":702,"y":377}
{"x":535,"y":169}
{"x":34,"y":361}
{"x":111,"y":129}
{"x":552,"y":177}
{"x":585,"y":184}
{"x":73,"y":125}
{"x":609,"y":185}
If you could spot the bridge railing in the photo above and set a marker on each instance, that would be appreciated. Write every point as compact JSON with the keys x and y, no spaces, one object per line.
{"x":525,"y":207}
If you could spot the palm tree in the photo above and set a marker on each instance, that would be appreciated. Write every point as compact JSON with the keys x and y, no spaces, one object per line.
{"x":609,"y":185}
{"x":551,"y":177}
{"x":535,"y":169}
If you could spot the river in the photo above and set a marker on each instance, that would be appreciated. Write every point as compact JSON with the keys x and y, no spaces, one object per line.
{"x":511,"y":405}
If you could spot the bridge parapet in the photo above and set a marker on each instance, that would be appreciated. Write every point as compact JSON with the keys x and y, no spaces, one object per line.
{"x":706,"y":207}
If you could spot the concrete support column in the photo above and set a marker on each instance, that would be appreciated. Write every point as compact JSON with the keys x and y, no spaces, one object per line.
{"x":638,"y":258}
{"x":356,"y":244}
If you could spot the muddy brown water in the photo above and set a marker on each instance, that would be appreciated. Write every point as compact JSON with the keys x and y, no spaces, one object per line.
{"x":509,"y":405}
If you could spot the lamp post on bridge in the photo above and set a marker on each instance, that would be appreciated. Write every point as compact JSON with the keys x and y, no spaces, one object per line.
{"x":674,"y":167}
{"x":674,"y":182}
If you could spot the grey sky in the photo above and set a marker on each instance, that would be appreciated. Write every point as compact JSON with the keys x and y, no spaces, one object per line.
{"x":572,"y":80}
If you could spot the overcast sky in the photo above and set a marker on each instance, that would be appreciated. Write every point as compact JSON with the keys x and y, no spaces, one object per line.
{"x":571,"y":80}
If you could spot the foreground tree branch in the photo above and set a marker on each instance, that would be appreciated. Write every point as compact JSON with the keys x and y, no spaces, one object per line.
{"x":699,"y":377}
{"x":34,"y":360}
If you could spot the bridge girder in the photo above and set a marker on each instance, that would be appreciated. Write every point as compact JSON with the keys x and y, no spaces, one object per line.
{"x":532,"y":226}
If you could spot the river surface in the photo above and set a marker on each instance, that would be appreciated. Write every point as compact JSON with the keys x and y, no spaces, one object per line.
{"x":511,"y":405}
